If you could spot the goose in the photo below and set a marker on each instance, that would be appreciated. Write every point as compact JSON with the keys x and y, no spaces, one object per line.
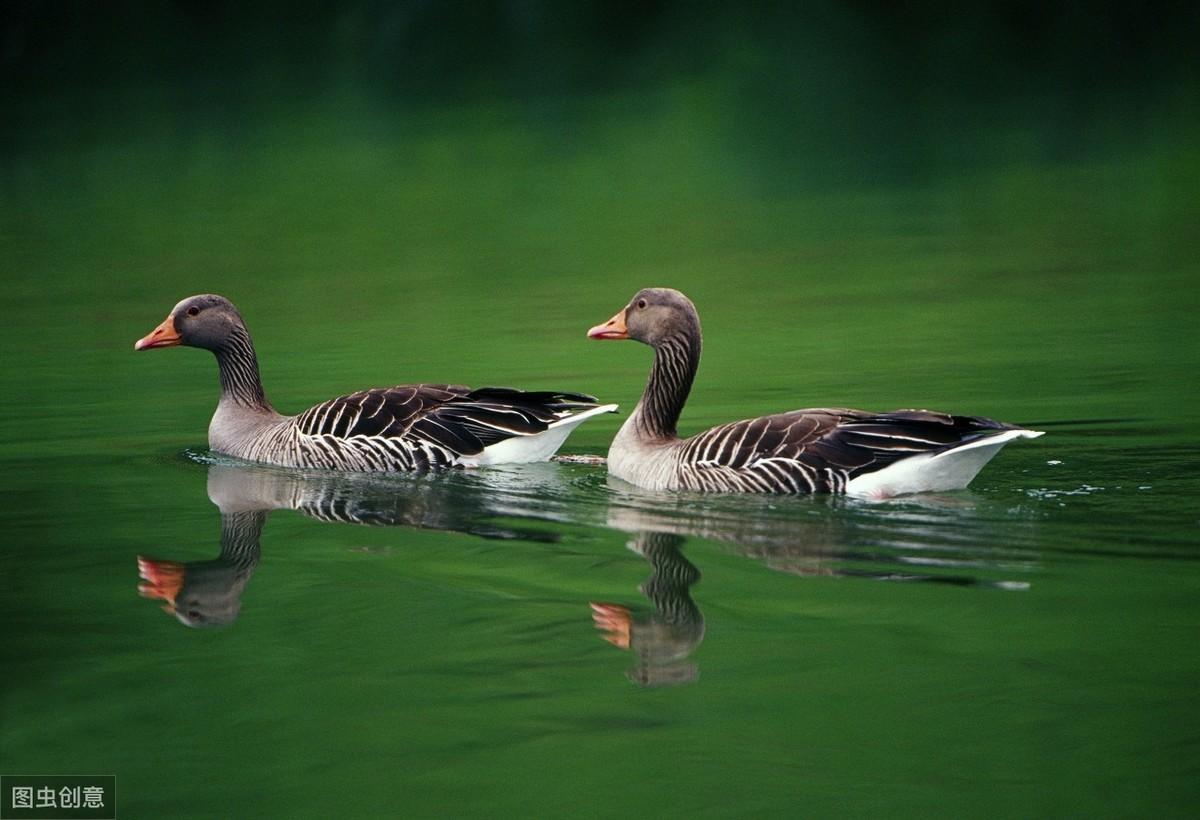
{"x":661,"y":642}
{"x":209,"y":593}
{"x":823,"y":450}
{"x":412,"y":427}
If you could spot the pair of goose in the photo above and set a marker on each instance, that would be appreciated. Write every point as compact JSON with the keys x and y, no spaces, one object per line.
{"x":427,"y":426}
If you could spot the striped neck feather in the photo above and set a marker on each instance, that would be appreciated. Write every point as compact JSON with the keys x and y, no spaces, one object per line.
{"x":240,"y":534}
{"x":238,"y":363}
{"x":676,"y":359}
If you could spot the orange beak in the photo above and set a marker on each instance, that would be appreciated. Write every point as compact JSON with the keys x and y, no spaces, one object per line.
{"x":163,"y":580}
{"x":615,"y":622}
{"x":165,"y":335}
{"x":614,"y":328}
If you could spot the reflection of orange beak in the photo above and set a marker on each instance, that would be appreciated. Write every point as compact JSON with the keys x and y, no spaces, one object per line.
{"x":164,"y":580}
{"x":614,"y":328}
{"x":165,"y":335}
{"x":615,"y":622}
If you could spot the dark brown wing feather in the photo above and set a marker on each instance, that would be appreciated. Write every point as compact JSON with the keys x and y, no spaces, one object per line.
{"x":820,"y":450}
{"x":453,"y":417}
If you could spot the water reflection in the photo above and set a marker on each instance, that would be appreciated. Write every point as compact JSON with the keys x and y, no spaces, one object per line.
{"x":461,"y":501}
{"x":209,"y":593}
{"x":929,"y":539}
{"x":959,"y":539}
{"x":962,"y":539}
{"x":662,"y":641}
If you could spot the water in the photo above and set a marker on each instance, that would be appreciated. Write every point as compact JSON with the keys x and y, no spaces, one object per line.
{"x":536,"y":641}
{"x":834,"y":655}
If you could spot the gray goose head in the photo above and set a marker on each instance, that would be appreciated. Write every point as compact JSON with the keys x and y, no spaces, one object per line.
{"x":206,"y":321}
{"x":211,"y":322}
{"x":666,"y":320}
{"x":652,"y":316}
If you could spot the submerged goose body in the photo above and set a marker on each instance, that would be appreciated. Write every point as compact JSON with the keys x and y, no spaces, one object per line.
{"x":822,"y":450}
{"x":395,"y":429}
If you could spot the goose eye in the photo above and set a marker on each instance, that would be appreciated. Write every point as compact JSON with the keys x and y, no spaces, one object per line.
{"x":193,"y":311}
{"x":641,"y":303}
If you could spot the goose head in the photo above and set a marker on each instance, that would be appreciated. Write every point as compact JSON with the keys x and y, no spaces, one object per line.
{"x":652,"y":315}
{"x":204,"y":321}
{"x":197,"y":593}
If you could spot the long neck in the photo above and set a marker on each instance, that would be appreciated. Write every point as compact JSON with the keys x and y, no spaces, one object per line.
{"x":675,"y":361}
{"x":240,"y":535}
{"x":668,"y":588}
{"x":240,"y":382}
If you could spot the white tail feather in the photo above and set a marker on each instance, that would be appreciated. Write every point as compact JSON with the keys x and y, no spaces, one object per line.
{"x":538,"y":447}
{"x":570,"y":422}
{"x":950,"y":469}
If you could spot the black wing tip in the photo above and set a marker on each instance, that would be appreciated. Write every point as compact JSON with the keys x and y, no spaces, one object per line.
{"x":547,"y":397}
{"x":968,"y":424}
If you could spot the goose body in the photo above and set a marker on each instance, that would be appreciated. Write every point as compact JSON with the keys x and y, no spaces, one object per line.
{"x":821,"y":450}
{"x":394,"y":429}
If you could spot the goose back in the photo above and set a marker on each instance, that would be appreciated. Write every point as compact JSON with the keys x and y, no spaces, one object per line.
{"x":404,"y":428}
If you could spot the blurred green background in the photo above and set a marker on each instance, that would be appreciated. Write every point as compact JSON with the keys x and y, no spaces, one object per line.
{"x":989,"y":208}
{"x":851,"y":179}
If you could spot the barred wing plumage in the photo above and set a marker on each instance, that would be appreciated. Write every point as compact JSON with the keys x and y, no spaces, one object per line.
{"x":818,"y":450}
{"x":412,"y":427}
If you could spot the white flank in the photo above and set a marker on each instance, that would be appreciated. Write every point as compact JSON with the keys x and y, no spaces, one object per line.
{"x":538,"y":447}
{"x":948,"y":470}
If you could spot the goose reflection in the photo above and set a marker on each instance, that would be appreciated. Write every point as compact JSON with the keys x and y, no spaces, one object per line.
{"x":662,"y":641}
{"x":936,"y":539}
{"x":209,"y":593}
{"x":955,"y":539}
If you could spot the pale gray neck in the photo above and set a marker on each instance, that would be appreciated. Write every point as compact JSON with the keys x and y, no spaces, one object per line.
{"x":238,"y":363}
{"x":676,"y":359}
